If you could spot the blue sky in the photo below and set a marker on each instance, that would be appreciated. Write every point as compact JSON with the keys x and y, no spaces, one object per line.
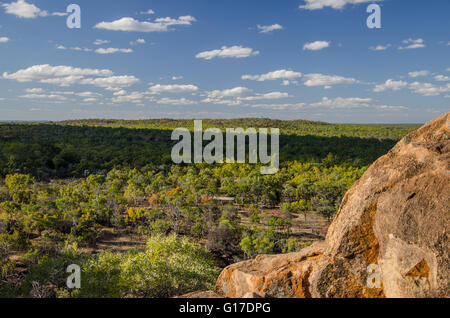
{"x":290,"y":59}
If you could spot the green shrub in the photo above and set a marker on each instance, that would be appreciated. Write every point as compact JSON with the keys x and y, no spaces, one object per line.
{"x":168,"y":267}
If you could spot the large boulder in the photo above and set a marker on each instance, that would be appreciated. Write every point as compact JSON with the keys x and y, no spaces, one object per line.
{"x":390,"y":237}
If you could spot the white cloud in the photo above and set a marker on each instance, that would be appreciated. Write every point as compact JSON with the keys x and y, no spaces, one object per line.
{"x":424,"y":89}
{"x":340,"y":102}
{"x":89,"y":100}
{"x":316,"y":46}
{"x":4,"y":39}
{"x":228,"y":52}
{"x":390,"y":85}
{"x":88,"y":94}
{"x":59,"y":14}
{"x":233,"y":92}
{"x":44,"y":96}
{"x":101,"y":42}
{"x":138,"y":41}
{"x":267,"y":96}
{"x":327,"y":81}
{"x":269,"y":28}
{"x":34,"y":90}
{"x":22,"y":9}
{"x":157,"y":89}
{"x":68,"y":75}
{"x":412,"y":44}
{"x":81,"y":49}
{"x":134,"y":97}
{"x":176,"y":78}
{"x":380,"y":47}
{"x":120,"y":93}
{"x":280,"y":74}
{"x":335,"y":4}
{"x":46,"y":71}
{"x":63,"y":81}
{"x":132,"y":25}
{"x":176,"y":102}
{"x":428,"y":89}
{"x":287,"y":82}
{"x":222,"y":102}
{"x":149,"y":12}
{"x":441,"y":78}
{"x":112,"y":50}
{"x":112,"y":82}
{"x":418,"y":73}
{"x":394,"y":108}
{"x":76,"y":48}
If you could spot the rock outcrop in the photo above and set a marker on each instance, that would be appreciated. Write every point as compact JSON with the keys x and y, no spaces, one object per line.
{"x":390,"y":237}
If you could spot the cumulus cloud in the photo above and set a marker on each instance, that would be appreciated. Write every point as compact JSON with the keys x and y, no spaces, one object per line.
{"x":228,"y":52}
{"x":237,"y":95}
{"x":233,"y":92}
{"x":316,"y":46}
{"x":23,"y":9}
{"x":157,"y":89}
{"x":428,"y":89}
{"x":340,"y":102}
{"x":269,"y":28}
{"x":412,"y":44}
{"x":40,"y":72}
{"x":176,"y":78}
{"x":418,"y":73}
{"x":4,"y":39}
{"x":112,"y":50}
{"x":275,"y":75}
{"x":335,"y":4}
{"x":67,"y":75}
{"x":390,"y":85}
{"x":380,"y":47}
{"x":327,"y":81}
{"x":132,"y":25}
{"x":112,"y":82}
{"x":424,"y":89}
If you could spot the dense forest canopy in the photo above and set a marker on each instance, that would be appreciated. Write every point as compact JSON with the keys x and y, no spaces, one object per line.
{"x":68,"y":149}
